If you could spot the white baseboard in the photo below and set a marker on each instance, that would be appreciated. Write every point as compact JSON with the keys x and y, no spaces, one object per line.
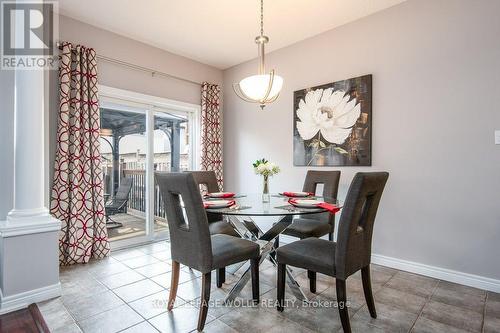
{"x":467,"y":279}
{"x":22,"y":300}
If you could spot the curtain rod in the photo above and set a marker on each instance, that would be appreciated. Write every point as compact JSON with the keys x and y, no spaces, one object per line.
{"x":153,"y":72}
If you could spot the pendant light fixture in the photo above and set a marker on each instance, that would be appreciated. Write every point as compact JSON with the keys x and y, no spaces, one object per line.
{"x":261,"y":88}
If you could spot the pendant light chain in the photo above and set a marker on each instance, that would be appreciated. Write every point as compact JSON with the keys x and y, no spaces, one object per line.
{"x":262,"y":17}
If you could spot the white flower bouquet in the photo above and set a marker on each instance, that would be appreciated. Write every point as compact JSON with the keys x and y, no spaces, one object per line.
{"x":265,"y":168}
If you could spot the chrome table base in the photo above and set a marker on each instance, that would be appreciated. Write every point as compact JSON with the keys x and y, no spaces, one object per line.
{"x":248,"y":229}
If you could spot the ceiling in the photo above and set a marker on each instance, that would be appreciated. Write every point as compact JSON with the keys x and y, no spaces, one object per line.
{"x":219,"y":32}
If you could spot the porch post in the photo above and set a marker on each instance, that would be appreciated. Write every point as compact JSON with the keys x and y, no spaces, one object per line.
{"x":175,"y":147}
{"x":116,"y":161}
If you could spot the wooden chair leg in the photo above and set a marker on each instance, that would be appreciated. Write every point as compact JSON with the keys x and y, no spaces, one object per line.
{"x":342,"y":304}
{"x":221,"y":276}
{"x":174,"y":283}
{"x":254,"y":264}
{"x":312,"y":281}
{"x":367,"y":288}
{"x":205,"y":298}
{"x":281,"y":286}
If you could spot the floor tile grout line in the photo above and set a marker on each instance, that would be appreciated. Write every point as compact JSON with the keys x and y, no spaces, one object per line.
{"x":428,"y":299}
{"x":70,"y":314}
{"x":69,"y":311}
{"x":146,"y":255}
{"x":375,"y":293}
{"x":359,"y":309}
{"x":144,"y":278}
{"x":164,"y":289}
{"x":131,"y":269}
{"x":270,"y":310}
{"x":125,"y":302}
{"x":385,"y":284}
{"x":143,"y":254}
{"x":484,"y":311}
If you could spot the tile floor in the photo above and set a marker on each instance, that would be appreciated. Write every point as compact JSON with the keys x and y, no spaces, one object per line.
{"x":128,"y":292}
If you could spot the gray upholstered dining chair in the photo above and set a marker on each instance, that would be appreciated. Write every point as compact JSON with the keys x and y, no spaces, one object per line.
{"x":317,"y":225}
{"x":351,"y":252}
{"x":191,"y":243}
{"x":216,"y":223}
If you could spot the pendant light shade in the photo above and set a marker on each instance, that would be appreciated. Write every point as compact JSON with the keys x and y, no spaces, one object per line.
{"x":256,"y":87}
{"x":261,"y":88}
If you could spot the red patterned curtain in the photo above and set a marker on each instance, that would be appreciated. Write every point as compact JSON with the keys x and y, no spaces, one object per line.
{"x":77,"y":191}
{"x":211,"y":130}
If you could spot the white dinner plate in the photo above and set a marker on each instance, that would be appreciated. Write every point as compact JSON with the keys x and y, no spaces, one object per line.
{"x":220,"y":194}
{"x":306,"y":203}
{"x":299,"y":194}
{"x":214,"y":204}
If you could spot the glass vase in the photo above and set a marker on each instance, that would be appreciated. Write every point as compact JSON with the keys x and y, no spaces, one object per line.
{"x":265,"y":190}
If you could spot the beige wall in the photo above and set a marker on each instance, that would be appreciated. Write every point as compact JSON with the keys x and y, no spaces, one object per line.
{"x":125,"y":49}
{"x":436,"y":97}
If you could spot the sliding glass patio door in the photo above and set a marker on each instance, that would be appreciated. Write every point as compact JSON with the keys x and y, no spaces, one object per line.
{"x":172,"y":153}
{"x":136,"y":140}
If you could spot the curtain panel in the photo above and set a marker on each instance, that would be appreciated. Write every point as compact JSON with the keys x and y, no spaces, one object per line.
{"x":211,"y":131}
{"x":77,"y":191}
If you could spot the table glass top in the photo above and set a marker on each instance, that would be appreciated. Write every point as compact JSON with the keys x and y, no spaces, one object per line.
{"x":253,"y":205}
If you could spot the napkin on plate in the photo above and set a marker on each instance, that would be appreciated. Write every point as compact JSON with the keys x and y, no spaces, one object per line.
{"x":207,"y":204}
{"x":325,"y":205}
{"x":329,"y":207}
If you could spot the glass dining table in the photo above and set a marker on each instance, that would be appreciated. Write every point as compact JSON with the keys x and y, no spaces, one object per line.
{"x":277,"y":206}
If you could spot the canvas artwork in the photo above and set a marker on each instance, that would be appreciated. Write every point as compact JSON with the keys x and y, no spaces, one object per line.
{"x":332,"y":124}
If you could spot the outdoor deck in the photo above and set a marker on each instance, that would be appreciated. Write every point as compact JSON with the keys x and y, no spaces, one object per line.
{"x":133,"y":226}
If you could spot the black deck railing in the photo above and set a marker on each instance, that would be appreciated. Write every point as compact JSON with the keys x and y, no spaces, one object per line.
{"x":137,"y":198}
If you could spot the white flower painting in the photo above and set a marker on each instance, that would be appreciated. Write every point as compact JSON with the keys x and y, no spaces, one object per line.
{"x":332,"y":113}
{"x":332,"y":124}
